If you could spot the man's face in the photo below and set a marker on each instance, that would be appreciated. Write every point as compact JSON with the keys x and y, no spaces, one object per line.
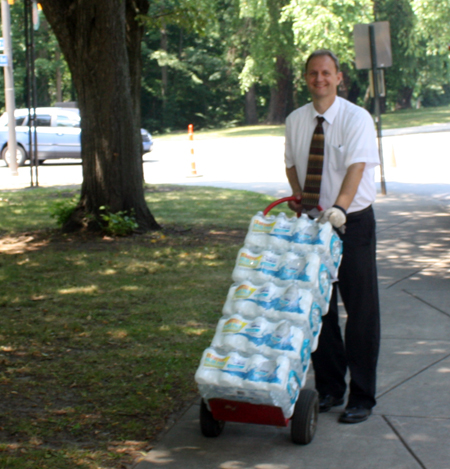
{"x":322,"y":78}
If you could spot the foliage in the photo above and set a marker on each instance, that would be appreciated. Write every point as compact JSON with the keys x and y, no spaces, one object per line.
{"x":326,"y":24}
{"x":52,"y":72}
{"x":421,"y":65}
{"x":118,"y":224}
{"x":218,"y":49}
{"x":63,"y":209}
{"x":433,"y":24}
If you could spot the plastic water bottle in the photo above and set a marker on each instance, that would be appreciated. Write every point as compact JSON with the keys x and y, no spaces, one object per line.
{"x":257,"y":238}
{"x":267,"y":298}
{"x":267,"y":268}
{"x":291,"y":268}
{"x":241,"y":299}
{"x":209,"y":370}
{"x":308,"y":278}
{"x":281,"y":234}
{"x":302,"y":234}
{"x":241,"y":335}
{"x":315,"y":325}
{"x":234,"y":371}
{"x":295,"y":304}
{"x":334,"y":254}
{"x":284,"y":339}
{"x":246,"y":263}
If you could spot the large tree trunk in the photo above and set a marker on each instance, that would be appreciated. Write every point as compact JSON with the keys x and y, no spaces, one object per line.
{"x":281,"y":95}
{"x":101,"y":42}
{"x":164,"y":73}
{"x":404,"y":97}
{"x":58,"y":78}
{"x":251,"y":114}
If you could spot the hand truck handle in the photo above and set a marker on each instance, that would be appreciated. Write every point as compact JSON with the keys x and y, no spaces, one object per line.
{"x":280,"y":201}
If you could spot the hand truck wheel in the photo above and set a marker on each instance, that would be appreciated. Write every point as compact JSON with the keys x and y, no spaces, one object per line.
{"x":304,"y":419}
{"x":209,"y":426}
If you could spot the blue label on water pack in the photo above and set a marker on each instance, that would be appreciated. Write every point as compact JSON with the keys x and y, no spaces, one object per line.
{"x":280,"y":343}
{"x":258,"y":375}
{"x":254,"y":340}
{"x":293,"y":386}
{"x":306,"y":353}
{"x":289,"y":273}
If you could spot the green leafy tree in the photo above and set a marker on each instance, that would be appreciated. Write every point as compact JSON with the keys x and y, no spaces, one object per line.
{"x":187,"y":77}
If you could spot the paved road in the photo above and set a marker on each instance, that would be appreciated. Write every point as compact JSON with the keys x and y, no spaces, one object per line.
{"x":411,"y":161}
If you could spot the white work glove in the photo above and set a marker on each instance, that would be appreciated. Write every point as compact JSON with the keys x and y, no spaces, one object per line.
{"x":335,"y":215}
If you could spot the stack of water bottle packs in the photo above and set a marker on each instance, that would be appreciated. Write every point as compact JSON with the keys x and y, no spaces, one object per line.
{"x":272,"y":316}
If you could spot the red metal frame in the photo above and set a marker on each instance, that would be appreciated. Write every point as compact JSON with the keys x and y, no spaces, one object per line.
{"x":244,"y":412}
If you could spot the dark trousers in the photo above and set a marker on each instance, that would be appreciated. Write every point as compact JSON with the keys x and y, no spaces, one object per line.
{"x":358,"y":287}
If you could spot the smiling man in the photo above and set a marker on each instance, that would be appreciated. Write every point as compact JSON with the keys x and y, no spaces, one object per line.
{"x":330,"y":157}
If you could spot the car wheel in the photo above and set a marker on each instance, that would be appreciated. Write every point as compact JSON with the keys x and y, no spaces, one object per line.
{"x":21,"y":156}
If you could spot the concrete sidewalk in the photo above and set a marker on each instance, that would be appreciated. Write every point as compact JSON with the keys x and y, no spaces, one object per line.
{"x":411,"y":423}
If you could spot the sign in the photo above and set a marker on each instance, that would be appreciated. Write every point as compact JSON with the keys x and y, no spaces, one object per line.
{"x":382,"y":45}
{"x":2,"y":43}
{"x":3,"y":60}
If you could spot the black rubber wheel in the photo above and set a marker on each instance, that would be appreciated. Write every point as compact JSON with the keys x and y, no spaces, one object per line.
{"x":304,"y":419}
{"x":21,"y":155}
{"x":209,"y":425}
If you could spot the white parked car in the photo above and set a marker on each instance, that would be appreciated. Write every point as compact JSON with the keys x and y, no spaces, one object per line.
{"x":58,"y":134}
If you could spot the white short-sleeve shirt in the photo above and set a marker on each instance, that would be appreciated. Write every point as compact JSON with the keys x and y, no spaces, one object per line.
{"x":349,"y":138}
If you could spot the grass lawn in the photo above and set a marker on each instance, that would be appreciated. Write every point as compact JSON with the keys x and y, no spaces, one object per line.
{"x":100,"y":337}
{"x":389,"y":120}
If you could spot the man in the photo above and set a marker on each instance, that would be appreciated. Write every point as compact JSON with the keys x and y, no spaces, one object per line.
{"x":343,"y":191}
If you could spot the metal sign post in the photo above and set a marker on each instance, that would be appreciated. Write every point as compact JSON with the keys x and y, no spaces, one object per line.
{"x":31,"y":91}
{"x":7,"y":64}
{"x":373,"y":54}
{"x":373,"y":51}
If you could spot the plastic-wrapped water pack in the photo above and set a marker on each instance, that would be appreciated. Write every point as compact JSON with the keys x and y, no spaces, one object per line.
{"x":259,"y":335}
{"x":256,"y":379}
{"x":272,"y":315}
{"x":310,"y":236}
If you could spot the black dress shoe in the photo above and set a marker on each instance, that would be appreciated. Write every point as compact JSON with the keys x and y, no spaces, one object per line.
{"x":355,"y":414}
{"x":329,"y":401}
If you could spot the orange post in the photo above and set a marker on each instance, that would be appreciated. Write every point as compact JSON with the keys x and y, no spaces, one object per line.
{"x":193,"y":173}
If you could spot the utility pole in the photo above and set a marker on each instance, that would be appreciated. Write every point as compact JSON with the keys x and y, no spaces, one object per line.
{"x":9,"y":88}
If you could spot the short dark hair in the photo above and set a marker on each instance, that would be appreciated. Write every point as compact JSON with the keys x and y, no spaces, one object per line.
{"x":321,"y":53}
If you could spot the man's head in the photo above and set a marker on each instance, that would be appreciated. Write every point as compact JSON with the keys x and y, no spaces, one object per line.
{"x":322,"y":53}
{"x":322,"y":77}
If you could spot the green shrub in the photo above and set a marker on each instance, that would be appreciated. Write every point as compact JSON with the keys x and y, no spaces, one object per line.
{"x":118,"y":224}
{"x":63,"y":210}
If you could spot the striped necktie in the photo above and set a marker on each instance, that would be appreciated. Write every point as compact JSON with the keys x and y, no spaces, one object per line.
{"x":311,"y":191}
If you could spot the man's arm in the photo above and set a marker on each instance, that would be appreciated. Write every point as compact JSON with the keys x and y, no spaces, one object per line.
{"x":292,"y":178}
{"x":350,"y":185}
{"x":337,"y":215}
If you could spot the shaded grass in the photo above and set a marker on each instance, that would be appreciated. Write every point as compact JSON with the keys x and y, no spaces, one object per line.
{"x":101,"y":337}
{"x":29,"y":209}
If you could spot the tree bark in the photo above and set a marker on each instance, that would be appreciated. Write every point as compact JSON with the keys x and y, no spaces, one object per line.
{"x":251,"y":114}
{"x":101,"y":42}
{"x":404,"y":97}
{"x":281,"y":95}
{"x":58,"y":78}
{"x":164,"y":73}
